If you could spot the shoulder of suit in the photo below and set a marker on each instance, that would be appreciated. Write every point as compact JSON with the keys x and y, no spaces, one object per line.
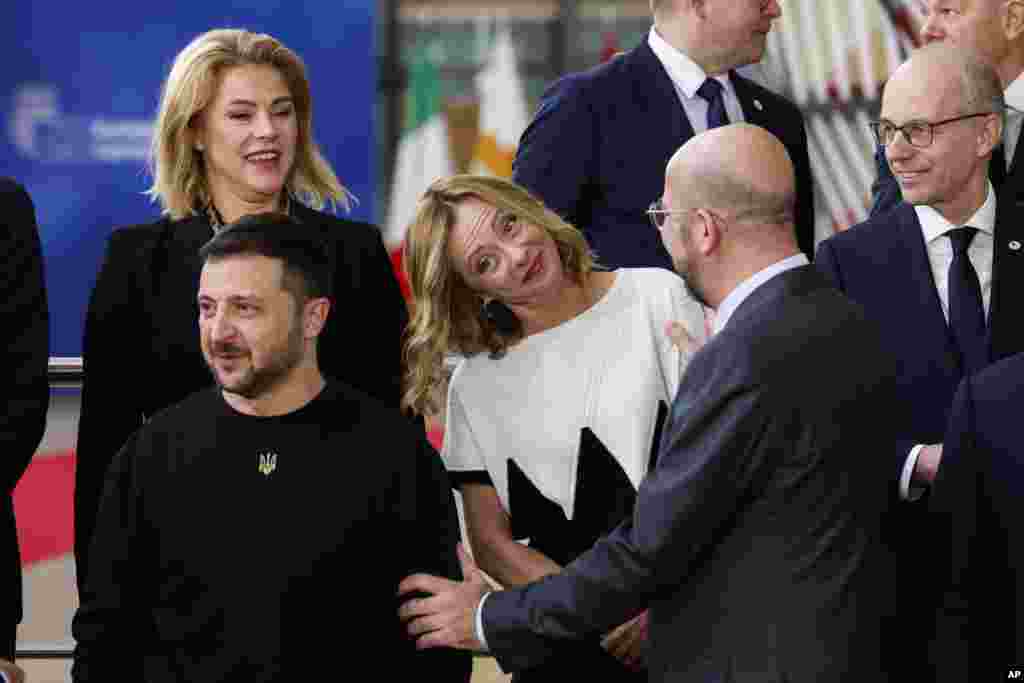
{"x":774,"y":99}
{"x":878,"y":227}
{"x":597,"y":78}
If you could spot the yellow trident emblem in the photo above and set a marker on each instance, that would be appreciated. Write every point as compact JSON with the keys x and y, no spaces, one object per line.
{"x":268,"y":463}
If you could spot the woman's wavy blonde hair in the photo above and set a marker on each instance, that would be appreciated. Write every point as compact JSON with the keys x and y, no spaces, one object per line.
{"x":447,"y":315}
{"x":179,"y":178}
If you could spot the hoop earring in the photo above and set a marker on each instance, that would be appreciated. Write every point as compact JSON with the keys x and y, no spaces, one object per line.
{"x":501,"y":316}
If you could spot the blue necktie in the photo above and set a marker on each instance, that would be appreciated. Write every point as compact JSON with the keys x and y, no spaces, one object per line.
{"x":966,"y":311}
{"x":711,"y":90}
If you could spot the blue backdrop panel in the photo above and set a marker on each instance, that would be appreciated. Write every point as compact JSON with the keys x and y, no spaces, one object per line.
{"x":79,"y":89}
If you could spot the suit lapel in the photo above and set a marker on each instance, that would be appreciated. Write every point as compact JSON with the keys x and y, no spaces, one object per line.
{"x":654,"y":87}
{"x":914,"y":252}
{"x":754,"y":110}
{"x":1013,"y":179}
{"x":1004,"y":337}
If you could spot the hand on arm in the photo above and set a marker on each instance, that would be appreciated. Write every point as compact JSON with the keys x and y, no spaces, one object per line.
{"x":446,"y":614}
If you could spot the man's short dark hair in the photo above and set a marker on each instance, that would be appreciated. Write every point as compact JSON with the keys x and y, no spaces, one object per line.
{"x":306,"y":272}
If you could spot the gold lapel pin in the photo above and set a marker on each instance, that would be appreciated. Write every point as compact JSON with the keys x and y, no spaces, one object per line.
{"x":1014,"y":245}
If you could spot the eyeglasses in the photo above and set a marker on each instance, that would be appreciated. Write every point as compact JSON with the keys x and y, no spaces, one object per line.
{"x":658,"y":213}
{"x":917,"y":133}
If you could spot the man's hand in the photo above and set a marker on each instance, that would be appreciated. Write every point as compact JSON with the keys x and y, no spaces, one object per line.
{"x":11,"y":671}
{"x":445,"y":617}
{"x":927,"y":465}
{"x":626,"y":642}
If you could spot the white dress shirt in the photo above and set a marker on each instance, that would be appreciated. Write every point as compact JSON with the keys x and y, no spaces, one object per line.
{"x":940,"y":255}
{"x":1014,"y":96}
{"x":687,"y":77}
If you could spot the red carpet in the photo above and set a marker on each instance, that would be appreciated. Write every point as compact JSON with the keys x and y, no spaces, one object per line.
{"x":43,"y":505}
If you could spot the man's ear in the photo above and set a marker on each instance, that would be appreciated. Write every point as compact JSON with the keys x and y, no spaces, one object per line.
{"x":992,"y":134}
{"x":1013,"y":20}
{"x":706,"y":231}
{"x":314,"y":316}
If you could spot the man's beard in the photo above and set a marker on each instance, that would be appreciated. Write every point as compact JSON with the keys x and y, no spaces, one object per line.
{"x":255,"y":382}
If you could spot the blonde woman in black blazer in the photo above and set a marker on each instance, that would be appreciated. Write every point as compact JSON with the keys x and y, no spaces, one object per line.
{"x":232,"y":137}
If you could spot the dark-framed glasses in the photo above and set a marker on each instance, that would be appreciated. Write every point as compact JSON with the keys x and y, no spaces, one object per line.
{"x":659,"y":214}
{"x":917,"y":133}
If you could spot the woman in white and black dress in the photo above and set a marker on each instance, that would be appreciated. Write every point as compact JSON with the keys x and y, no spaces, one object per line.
{"x":554,"y":414}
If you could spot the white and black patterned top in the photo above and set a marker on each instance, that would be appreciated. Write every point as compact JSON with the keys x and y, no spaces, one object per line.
{"x":567,"y":423}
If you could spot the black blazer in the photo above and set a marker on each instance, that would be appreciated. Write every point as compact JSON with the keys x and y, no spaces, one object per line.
{"x":754,"y":540}
{"x":978,"y":503}
{"x":141,"y":343}
{"x":25,"y":340}
{"x":883,"y":265}
{"x":597,"y":148}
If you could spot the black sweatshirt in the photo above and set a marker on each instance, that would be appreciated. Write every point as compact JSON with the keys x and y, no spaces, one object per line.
{"x":238,"y":548}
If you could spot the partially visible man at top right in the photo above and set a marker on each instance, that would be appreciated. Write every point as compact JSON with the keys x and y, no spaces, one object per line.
{"x":994,"y":29}
{"x":943,"y":272}
{"x":597,"y":147}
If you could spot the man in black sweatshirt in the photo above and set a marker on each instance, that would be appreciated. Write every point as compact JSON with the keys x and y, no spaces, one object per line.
{"x":256,"y":531}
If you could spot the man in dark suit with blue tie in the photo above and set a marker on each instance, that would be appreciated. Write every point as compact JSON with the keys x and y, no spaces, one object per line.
{"x":978,"y":500}
{"x":755,"y":540}
{"x":598,"y":144}
{"x":943,"y":272}
{"x":994,"y":29}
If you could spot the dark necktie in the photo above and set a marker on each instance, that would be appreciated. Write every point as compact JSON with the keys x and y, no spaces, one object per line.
{"x":966,"y":311}
{"x":711,"y":90}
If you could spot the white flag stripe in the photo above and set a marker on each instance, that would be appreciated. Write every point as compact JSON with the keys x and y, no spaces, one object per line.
{"x":794,"y":61}
{"x":864,"y":15}
{"x":837,"y":14}
{"x":834,"y":211}
{"x":843,"y":181}
{"x":859,"y":155}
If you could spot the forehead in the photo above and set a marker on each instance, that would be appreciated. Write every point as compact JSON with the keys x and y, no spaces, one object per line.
{"x":473,"y":218}
{"x":252,"y":275}
{"x":252,"y":83}
{"x":926,"y":93}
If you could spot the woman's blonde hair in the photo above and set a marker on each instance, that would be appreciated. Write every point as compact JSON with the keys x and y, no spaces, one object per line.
{"x":447,"y":315}
{"x":179,"y":178}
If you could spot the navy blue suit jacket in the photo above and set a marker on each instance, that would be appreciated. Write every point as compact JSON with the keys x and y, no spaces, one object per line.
{"x":882,"y":264}
{"x":754,"y":541}
{"x":978,"y":499}
{"x":597,"y":148}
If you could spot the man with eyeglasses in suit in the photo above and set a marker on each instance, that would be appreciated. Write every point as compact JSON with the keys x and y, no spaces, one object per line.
{"x":994,"y":29}
{"x":940,"y":272}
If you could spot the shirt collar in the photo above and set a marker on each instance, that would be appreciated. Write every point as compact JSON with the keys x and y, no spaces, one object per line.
{"x":1014,"y":95}
{"x":738,"y":295}
{"x":934,"y":225}
{"x":684,"y":72}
